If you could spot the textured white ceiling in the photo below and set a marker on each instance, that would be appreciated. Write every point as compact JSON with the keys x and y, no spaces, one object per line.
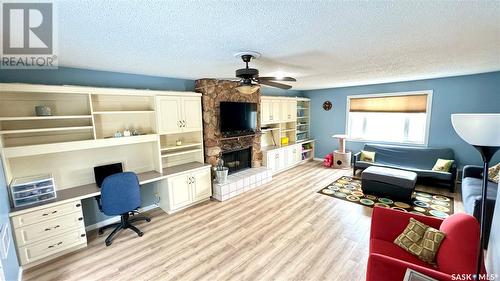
{"x":321,"y":43}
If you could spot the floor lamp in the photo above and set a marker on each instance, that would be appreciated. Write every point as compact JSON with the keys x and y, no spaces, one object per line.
{"x":483,"y":132}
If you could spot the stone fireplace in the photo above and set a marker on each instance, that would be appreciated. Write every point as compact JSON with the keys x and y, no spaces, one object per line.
{"x":237,"y":160}
{"x":213,"y":92}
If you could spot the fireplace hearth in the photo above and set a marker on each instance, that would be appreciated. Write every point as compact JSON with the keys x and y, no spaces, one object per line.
{"x":237,"y":160}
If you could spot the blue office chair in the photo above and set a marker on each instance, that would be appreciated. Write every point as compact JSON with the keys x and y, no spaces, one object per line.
{"x":121,"y":195}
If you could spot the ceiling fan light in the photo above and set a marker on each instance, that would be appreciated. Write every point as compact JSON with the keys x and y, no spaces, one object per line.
{"x":247,"y":89}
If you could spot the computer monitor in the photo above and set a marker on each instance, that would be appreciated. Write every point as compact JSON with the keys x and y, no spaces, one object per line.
{"x":101,"y":172}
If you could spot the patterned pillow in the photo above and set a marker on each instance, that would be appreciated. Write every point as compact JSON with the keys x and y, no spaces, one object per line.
{"x":494,"y":173}
{"x":367,"y":156}
{"x":420,"y":240}
{"x":443,"y":165}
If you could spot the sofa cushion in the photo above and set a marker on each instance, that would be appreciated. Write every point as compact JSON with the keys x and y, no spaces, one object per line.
{"x":421,"y":173}
{"x":471,"y":193}
{"x":388,"y":248}
{"x":422,"y":158}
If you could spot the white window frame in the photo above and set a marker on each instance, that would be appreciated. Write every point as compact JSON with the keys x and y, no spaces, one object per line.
{"x":429,"y":94}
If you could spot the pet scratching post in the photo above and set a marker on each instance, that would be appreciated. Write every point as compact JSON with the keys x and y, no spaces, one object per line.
{"x":341,"y":157}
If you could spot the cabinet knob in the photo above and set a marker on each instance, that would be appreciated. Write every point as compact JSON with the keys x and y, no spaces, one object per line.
{"x":78,"y":205}
{"x":80,"y":218}
{"x":82,"y":235}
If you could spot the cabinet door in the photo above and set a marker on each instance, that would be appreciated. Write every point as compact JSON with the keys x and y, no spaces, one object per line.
{"x":284,"y":110}
{"x":292,"y":110}
{"x":275,"y":111}
{"x":169,"y":114}
{"x":281,"y":159}
{"x":265,"y":111}
{"x":202,"y":186}
{"x":291,"y":156}
{"x":191,"y":114}
{"x":179,"y":191}
{"x":298,"y":155}
{"x":271,"y":160}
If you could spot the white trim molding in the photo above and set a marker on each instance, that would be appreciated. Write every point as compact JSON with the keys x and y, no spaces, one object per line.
{"x":429,"y":94}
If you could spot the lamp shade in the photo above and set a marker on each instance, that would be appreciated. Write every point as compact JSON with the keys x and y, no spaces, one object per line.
{"x":247,"y":89}
{"x":478,"y":129}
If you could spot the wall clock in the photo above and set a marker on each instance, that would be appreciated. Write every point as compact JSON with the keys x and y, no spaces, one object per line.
{"x":327,"y":105}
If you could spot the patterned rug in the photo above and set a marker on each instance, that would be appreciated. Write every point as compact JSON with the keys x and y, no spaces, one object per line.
{"x":422,"y":203}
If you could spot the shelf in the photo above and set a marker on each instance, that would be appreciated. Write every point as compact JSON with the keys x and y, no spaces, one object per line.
{"x":269,"y":130}
{"x":124,"y":112}
{"x":306,"y":150}
{"x":170,"y":148}
{"x":23,"y":118}
{"x":302,"y":108}
{"x":287,"y":130}
{"x":302,"y":132}
{"x":181,"y":152}
{"x":40,"y":149}
{"x":302,"y":117}
{"x":42,"y":130}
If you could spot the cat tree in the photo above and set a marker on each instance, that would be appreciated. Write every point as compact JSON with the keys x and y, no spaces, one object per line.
{"x":341,"y":157}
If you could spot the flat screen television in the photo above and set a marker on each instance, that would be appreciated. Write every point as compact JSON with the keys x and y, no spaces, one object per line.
{"x":238,"y":118}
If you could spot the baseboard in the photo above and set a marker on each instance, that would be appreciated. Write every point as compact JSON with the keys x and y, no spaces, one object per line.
{"x":318,"y":159}
{"x":117,"y":218}
{"x":20,"y":274}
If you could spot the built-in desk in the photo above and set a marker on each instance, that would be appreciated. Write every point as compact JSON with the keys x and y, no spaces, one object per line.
{"x":92,"y":190}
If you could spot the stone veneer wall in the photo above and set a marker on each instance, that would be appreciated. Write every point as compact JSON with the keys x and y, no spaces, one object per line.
{"x":213,"y":92}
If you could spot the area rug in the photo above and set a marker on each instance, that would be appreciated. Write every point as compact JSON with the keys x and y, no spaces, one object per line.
{"x":422,"y":203}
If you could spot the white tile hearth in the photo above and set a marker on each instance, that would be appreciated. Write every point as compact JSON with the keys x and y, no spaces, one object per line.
{"x":241,"y":182}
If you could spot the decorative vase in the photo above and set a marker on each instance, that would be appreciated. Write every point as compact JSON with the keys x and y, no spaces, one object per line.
{"x":221,"y":175}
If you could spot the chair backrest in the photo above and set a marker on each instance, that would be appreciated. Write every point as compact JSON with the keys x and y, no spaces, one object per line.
{"x":120,"y":193}
{"x":407,"y":156}
{"x":458,"y":252}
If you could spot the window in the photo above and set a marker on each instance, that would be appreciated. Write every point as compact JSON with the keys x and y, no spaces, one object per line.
{"x":396,"y":118}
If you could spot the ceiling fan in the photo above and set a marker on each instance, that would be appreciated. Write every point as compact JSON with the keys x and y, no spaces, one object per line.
{"x":249,"y":77}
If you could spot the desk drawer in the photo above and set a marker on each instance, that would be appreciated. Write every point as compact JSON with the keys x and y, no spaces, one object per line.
{"x":49,"y":228}
{"x":56,"y":244}
{"x":46,"y":214}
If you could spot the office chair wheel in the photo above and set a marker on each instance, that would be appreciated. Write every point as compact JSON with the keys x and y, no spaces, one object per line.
{"x":148,"y":219}
{"x":108,"y":243}
{"x":140,"y":234}
{"x":100,"y":231}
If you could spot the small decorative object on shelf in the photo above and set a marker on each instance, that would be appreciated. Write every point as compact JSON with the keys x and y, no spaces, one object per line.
{"x":127,"y":133}
{"x":118,"y":134}
{"x":135,"y":133}
{"x":178,"y":142}
{"x":284,"y":140}
{"x":31,"y":190}
{"x":43,"y":110}
{"x":327,"y":105}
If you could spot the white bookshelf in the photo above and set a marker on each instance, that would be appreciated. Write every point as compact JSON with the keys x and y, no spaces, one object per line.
{"x":303,"y":119}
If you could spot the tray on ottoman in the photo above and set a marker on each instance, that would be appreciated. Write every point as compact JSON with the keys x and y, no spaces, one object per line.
{"x":390,"y":182}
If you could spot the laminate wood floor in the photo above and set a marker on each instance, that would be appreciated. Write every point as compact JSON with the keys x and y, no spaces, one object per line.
{"x":283,"y":230}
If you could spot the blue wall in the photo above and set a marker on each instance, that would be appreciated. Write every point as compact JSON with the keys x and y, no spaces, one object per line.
{"x":461,"y":94}
{"x":84,"y":77}
{"x":10,"y":265}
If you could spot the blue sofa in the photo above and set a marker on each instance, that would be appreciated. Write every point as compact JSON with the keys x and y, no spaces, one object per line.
{"x":420,"y":160}
{"x":472,"y":180}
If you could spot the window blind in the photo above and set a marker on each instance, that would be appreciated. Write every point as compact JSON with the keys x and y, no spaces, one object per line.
{"x":407,"y":104}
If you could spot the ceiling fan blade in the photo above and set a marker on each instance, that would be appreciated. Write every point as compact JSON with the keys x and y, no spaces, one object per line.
{"x":229,"y":79}
{"x":274,"y":84}
{"x":290,"y":79}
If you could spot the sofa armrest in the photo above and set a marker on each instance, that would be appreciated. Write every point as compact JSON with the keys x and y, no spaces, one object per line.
{"x":387,"y":224}
{"x":472,"y":171}
{"x":386,"y":268}
{"x":356,"y":157}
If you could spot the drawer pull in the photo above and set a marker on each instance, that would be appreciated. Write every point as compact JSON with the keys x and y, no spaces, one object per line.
{"x":54,"y":212}
{"x":48,"y":229}
{"x":78,"y":205}
{"x":80,"y":218}
{"x":55,"y":245}
{"x":83,"y":235}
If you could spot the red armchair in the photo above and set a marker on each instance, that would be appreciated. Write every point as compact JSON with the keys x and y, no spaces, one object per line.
{"x":387,"y":261}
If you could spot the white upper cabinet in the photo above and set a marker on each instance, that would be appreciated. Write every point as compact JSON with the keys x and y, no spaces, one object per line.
{"x":288,"y":110}
{"x":177,"y":114}
{"x":271,"y":111}
{"x":191,"y":114}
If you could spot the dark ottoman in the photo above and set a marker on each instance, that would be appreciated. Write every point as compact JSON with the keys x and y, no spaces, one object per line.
{"x":388,"y":182}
